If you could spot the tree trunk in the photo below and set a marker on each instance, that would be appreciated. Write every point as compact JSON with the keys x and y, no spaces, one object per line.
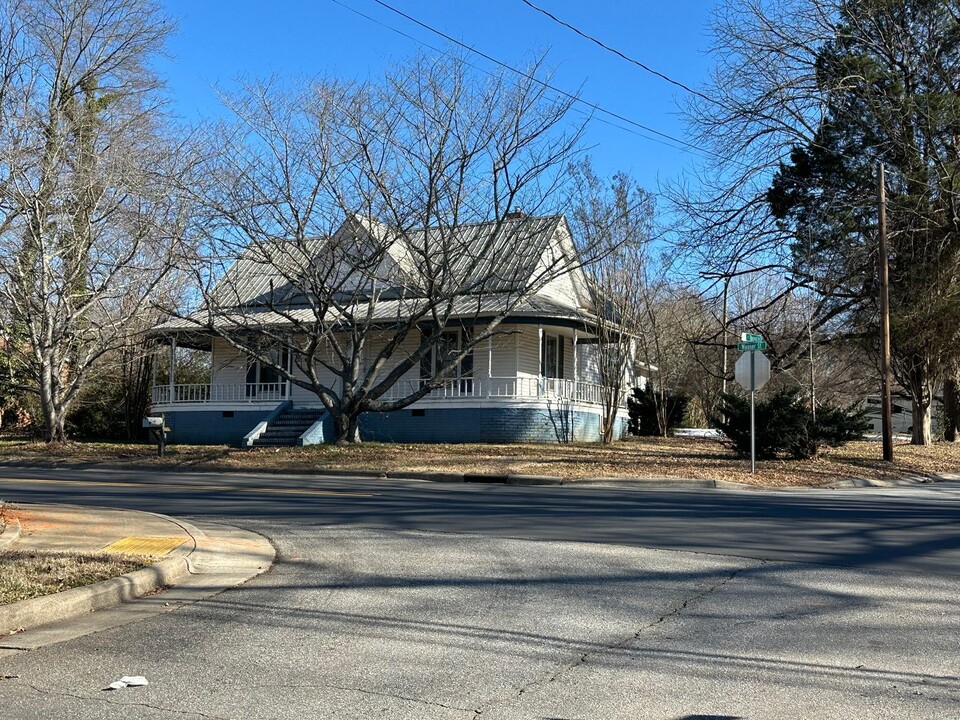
{"x":611,"y":403}
{"x":346,"y":426}
{"x":921,"y":396}
{"x":663,"y":412}
{"x":53,"y":416}
{"x":951,"y":409}
{"x":922,"y":427}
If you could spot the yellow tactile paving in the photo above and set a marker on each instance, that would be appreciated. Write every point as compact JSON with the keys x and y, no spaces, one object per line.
{"x":144,"y":545}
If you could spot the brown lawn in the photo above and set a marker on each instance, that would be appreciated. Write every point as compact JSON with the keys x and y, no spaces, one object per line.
{"x":639,"y":457}
{"x":26,"y":575}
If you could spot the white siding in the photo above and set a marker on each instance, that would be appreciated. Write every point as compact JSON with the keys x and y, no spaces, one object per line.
{"x":529,"y":352}
{"x":305,"y":396}
{"x":567,"y":288}
{"x":407,"y":348}
{"x":505,"y":353}
{"x":228,"y":366}
{"x":561,"y":290}
{"x":588,"y":363}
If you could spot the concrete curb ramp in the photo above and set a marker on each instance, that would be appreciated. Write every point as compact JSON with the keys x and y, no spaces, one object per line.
{"x":211,"y":559}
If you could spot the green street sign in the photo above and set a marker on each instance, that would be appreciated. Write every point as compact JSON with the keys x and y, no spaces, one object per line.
{"x":753,"y":345}
{"x":751,"y":338}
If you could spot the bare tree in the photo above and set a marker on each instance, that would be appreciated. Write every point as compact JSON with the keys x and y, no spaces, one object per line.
{"x":615,"y":214}
{"x":807,"y":97}
{"x":350,"y":227}
{"x":89,"y":222}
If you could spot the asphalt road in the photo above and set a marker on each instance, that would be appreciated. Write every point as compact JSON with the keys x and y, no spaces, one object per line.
{"x":420,"y":600}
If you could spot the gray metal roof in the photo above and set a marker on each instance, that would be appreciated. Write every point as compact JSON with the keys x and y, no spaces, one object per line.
{"x":384,"y":312}
{"x":485,"y":268}
{"x":481,"y":258}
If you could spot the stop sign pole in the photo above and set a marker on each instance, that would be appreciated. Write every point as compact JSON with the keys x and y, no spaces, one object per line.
{"x":752,"y":372}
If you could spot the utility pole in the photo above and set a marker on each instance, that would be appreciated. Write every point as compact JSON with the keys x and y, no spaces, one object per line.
{"x":886,"y":405}
{"x":726,"y":321}
{"x":813,"y":377}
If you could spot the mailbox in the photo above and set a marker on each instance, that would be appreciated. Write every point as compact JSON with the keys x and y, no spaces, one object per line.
{"x":152,"y":422}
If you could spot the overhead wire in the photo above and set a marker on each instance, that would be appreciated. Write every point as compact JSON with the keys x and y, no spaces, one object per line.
{"x":620,"y":54}
{"x":684,"y":145}
{"x":376,"y":21}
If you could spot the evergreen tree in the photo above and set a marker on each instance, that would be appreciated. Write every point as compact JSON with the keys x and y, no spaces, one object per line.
{"x":890,"y":81}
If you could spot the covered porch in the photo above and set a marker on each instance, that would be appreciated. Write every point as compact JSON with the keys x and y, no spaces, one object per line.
{"x":526,"y":362}
{"x":531,"y":368}
{"x":241,"y":394}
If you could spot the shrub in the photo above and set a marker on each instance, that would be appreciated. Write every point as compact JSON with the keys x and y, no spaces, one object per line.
{"x":643,"y":407}
{"x":785,"y":425}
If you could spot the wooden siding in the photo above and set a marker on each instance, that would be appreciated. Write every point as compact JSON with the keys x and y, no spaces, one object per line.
{"x":515,"y":353}
{"x":228,"y":366}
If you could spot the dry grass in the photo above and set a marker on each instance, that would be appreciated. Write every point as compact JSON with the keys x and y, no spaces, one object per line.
{"x":639,"y":457}
{"x":26,"y":575}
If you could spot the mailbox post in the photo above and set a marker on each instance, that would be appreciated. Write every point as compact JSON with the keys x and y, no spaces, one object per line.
{"x":157,"y":429}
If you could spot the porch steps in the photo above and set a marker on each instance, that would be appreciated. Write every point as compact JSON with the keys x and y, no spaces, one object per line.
{"x":284,"y":430}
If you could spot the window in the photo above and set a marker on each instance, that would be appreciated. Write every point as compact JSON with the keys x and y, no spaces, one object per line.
{"x":445,"y":349}
{"x":264,"y":379}
{"x":551,"y":356}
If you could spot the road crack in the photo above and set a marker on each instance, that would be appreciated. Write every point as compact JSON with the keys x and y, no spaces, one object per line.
{"x":584,"y":657}
{"x":364,"y":691}
{"x":101,"y":699}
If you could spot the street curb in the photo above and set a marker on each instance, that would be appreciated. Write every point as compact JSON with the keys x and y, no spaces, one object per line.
{"x":72,"y":603}
{"x":497,"y":478}
{"x":75,"y":602}
{"x":902,"y":481}
{"x":10,"y":534}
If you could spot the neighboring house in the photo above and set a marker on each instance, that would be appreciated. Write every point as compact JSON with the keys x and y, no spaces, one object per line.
{"x":901,"y":413}
{"x":536,"y":380}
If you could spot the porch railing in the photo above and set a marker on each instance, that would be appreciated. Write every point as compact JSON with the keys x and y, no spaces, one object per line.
{"x":495,"y":387}
{"x":231,"y":393}
{"x":507,"y":387}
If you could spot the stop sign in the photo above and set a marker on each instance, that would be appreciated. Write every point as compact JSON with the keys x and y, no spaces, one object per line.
{"x":761,"y":370}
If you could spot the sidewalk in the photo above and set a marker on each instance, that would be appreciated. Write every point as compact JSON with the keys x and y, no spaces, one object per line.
{"x":193,"y":562}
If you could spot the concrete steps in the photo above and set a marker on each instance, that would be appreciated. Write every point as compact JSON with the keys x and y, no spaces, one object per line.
{"x":288,"y":427}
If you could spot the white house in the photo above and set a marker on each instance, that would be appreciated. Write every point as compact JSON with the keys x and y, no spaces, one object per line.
{"x":537,"y":379}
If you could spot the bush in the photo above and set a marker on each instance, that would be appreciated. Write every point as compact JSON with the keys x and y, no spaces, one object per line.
{"x":785,"y":425}
{"x":642,"y":406}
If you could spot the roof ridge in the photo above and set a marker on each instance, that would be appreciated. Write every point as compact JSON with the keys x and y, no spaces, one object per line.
{"x":554,"y":216}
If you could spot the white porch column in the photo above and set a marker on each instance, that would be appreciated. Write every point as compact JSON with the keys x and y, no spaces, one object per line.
{"x":154,"y":356}
{"x":489,"y":364}
{"x":539,"y":360}
{"x":172,"y":370}
{"x":289,"y":369}
{"x":576,"y":378}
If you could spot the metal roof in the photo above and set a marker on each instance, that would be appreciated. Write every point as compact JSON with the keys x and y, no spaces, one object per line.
{"x":384,"y":313}
{"x":484,"y":268}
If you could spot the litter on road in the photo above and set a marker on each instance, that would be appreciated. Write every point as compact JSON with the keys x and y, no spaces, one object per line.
{"x":128,"y":681}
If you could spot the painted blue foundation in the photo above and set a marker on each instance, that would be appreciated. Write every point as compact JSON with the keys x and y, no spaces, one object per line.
{"x":483,"y":425}
{"x":211,"y":427}
{"x":429,"y":425}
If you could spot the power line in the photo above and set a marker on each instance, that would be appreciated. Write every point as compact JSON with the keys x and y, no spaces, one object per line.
{"x":382,"y":24}
{"x":690,"y":146}
{"x":606,"y":47}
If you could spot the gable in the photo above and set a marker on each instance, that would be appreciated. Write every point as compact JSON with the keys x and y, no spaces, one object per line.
{"x":365,"y":258}
{"x":569,"y":287}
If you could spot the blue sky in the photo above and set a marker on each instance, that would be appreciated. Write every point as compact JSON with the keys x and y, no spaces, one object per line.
{"x":219,"y":42}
